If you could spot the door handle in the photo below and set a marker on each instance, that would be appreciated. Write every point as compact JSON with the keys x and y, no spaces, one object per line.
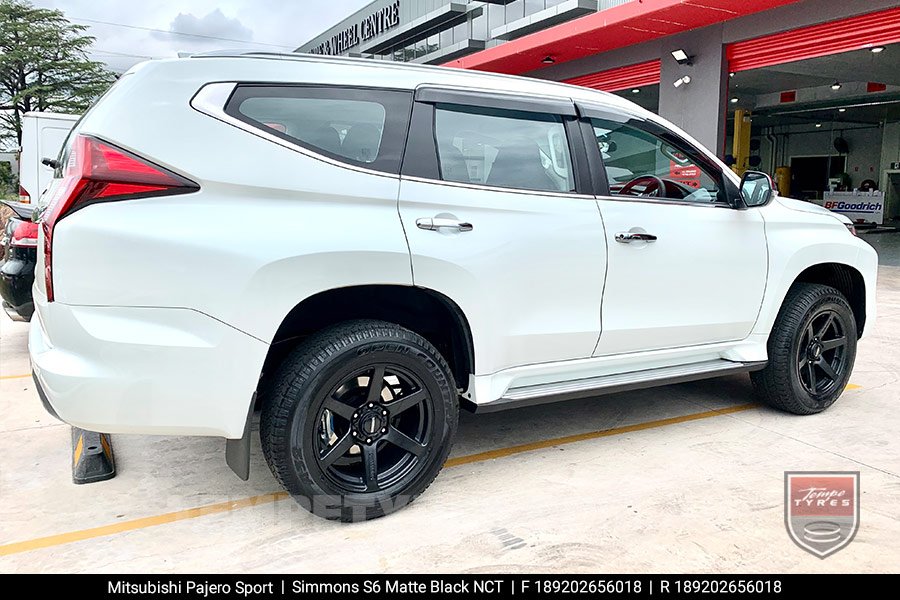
{"x":437,"y":223}
{"x":626,"y":237}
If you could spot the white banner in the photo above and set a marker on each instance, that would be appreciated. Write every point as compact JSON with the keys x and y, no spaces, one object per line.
{"x":859,"y":207}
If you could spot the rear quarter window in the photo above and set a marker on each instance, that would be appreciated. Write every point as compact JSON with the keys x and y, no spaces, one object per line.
{"x":360,"y":127}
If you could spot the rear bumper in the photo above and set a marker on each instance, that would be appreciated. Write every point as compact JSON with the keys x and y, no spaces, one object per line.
{"x":168,"y":371}
{"x":43,"y":396}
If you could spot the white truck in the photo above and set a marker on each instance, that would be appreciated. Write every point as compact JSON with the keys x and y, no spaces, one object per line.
{"x":43,"y":134}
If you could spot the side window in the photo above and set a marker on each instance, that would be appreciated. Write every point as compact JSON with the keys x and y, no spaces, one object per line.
{"x":641,"y":164}
{"x":503,"y":148}
{"x":360,"y":127}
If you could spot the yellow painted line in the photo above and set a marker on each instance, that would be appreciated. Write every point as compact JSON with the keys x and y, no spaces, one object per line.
{"x":15,"y":376}
{"x":105,"y":530}
{"x":852,"y":386}
{"x":592,"y":435}
{"x":222,"y":507}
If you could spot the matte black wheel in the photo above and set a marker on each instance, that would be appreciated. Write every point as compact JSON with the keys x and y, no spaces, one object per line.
{"x":812,"y":349}
{"x":359,"y":420}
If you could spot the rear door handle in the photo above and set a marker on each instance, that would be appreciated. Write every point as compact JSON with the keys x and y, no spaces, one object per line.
{"x":626,"y":237}
{"x":437,"y":223}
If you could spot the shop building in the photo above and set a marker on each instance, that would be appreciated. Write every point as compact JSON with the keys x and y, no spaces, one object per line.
{"x":807,"y":90}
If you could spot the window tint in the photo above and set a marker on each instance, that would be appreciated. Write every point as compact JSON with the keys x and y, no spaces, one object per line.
{"x":503,"y":148}
{"x":362,"y":127}
{"x":640,"y":164}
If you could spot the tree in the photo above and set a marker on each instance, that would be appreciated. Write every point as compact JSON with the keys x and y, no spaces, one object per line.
{"x":44,"y":65}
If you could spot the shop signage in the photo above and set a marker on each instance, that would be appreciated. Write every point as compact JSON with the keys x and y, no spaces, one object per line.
{"x":373,"y":25}
{"x":859,"y":207}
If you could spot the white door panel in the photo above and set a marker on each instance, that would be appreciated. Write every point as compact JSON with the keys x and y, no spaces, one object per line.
{"x":528,"y":276}
{"x":700,"y":282}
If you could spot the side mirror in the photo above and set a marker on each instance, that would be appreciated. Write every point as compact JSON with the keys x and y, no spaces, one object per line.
{"x":757,"y":188}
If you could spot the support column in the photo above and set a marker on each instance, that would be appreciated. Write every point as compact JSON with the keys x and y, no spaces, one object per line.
{"x":698,"y":107}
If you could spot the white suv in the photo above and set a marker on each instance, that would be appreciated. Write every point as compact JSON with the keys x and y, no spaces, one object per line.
{"x":358,"y":249}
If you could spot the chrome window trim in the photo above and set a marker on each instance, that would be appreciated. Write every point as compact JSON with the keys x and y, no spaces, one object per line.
{"x":493,"y":188}
{"x":665,"y":201}
{"x":211,"y":100}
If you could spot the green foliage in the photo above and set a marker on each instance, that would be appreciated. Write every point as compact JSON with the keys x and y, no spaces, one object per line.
{"x":44,"y":65}
{"x":9,"y":183}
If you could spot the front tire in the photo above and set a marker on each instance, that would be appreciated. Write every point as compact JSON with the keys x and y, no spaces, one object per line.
{"x":359,"y":420}
{"x":812,"y":349}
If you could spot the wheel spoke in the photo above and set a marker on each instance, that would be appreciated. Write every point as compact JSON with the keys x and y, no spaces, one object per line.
{"x":370,"y":467}
{"x":809,"y":335}
{"x":405,"y":442}
{"x":345,"y":411}
{"x":337,"y":450}
{"x":832,"y":344}
{"x":406,"y":402}
{"x":811,"y":369}
{"x":376,"y":384}
{"x":826,"y":326}
{"x":826,"y":367}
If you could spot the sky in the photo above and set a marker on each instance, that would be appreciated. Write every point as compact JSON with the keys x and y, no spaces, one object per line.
{"x":266,"y":25}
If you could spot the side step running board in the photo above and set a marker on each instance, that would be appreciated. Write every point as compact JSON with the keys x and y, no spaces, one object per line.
{"x":595,"y":386}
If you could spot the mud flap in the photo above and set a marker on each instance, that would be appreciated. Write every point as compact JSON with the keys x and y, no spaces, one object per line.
{"x":237,"y":452}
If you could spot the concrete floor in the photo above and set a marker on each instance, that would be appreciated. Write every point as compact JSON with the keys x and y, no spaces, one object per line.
{"x":703,"y":495}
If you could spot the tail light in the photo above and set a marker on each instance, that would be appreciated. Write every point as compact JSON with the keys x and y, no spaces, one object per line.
{"x":97,"y":171}
{"x":25,"y":235}
{"x":24,"y":196}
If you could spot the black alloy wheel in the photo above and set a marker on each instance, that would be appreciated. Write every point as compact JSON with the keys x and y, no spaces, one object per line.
{"x":358,"y":419}
{"x":372,"y":429}
{"x":822,"y":353}
{"x":811,"y":349}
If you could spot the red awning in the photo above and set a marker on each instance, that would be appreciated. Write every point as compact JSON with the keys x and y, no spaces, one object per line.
{"x":624,"y":25}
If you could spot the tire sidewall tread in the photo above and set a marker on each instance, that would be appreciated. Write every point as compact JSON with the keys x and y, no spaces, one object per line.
{"x":291,"y":393}
{"x":777,"y":384}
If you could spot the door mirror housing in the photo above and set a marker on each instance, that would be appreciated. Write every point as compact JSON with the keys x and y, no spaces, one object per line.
{"x":757,"y":188}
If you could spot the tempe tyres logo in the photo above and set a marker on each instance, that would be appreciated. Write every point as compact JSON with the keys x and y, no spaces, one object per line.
{"x":821,"y":509}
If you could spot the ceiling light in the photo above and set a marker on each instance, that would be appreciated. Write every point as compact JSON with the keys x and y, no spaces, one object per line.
{"x":681,"y":57}
{"x":877,"y":49}
{"x":818,"y":124}
{"x":836,"y":85}
{"x":731,"y":74}
{"x":636,"y":91}
{"x":842,"y":110}
{"x":734,"y":100}
{"x":548,"y":60}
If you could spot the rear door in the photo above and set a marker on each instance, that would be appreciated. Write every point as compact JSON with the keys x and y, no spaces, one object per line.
{"x":685,"y":268}
{"x":495,"y":202}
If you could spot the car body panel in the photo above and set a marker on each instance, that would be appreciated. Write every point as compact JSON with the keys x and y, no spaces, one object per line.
{"x":17,"y":264}
{"x":170,"y":331}
{"x":653,"y":302}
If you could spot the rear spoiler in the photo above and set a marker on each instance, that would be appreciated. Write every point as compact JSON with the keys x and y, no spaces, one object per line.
{"x":23,"y":210}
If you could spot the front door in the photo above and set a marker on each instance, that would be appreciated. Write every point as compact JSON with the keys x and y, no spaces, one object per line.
{"x":684,"y":267}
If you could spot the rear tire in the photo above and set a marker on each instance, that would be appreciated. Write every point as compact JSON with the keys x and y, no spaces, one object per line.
{"x":359,"y":420}
{"x":812,"y":349}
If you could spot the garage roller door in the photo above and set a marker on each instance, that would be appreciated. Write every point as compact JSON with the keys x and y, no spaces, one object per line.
{"x":874,"y":29}
{"x":622,"y":78}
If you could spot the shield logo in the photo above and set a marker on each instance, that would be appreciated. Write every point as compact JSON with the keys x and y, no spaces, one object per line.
{"x":821,"y":509}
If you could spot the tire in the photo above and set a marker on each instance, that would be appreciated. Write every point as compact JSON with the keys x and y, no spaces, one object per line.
{"x":812,"y":349}
{"x":344,"y":449}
